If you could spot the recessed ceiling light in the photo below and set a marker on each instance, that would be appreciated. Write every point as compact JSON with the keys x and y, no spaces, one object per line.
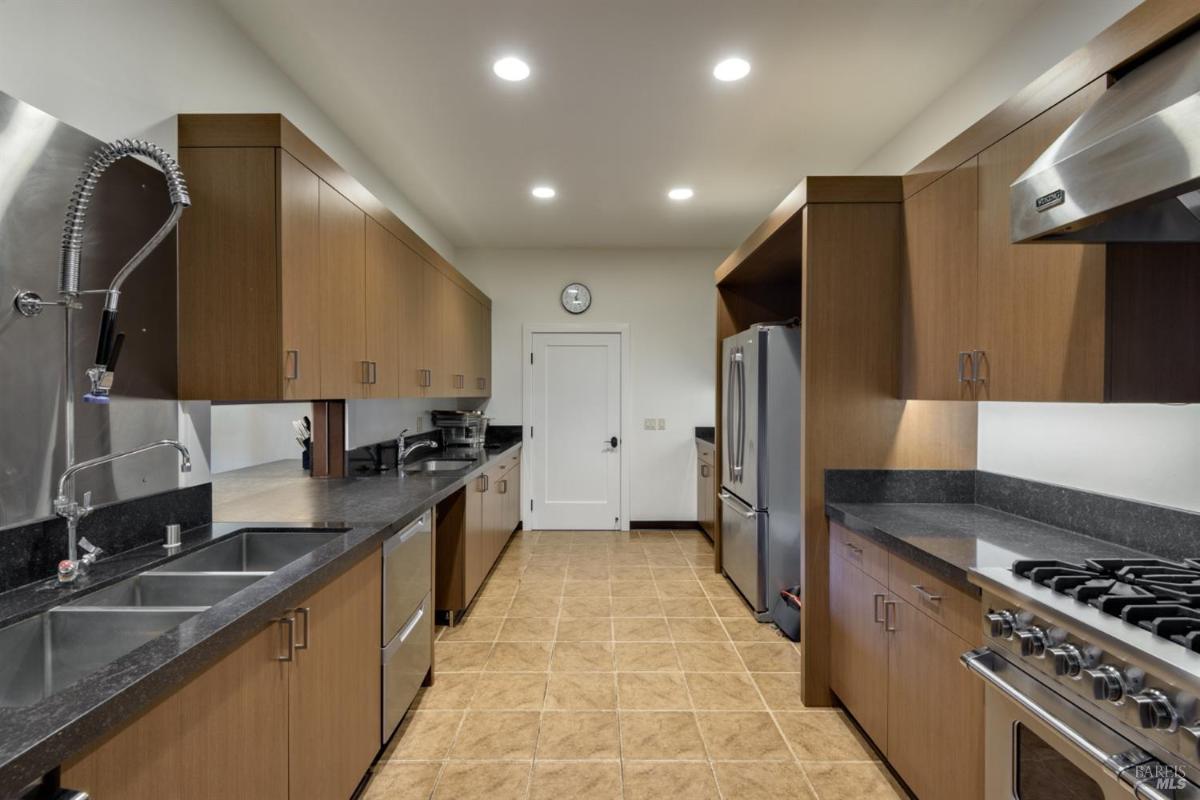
{"x":681,"y":193}
{"x":511,"y":68}
{"x":543,"y":192}
{"x":731,"y":69}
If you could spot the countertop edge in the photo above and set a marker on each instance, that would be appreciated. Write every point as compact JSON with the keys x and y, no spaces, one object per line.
{"x":953,"y":573}
{"x":212,"y":634}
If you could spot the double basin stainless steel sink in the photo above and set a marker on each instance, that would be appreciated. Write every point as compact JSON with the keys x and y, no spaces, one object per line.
{"x":48,"y":652}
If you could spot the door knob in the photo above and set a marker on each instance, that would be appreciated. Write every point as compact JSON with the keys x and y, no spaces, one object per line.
{"x":612,"y":442}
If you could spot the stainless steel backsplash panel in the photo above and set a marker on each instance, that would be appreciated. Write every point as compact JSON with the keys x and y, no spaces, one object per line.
{"x":40,"y":159}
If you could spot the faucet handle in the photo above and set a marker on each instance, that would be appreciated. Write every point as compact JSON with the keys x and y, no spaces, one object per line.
{"x":86,"y":507}
{"x":92,"y":552}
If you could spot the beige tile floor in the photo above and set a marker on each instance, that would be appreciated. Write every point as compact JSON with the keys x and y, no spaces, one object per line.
{"x":598,"y":665}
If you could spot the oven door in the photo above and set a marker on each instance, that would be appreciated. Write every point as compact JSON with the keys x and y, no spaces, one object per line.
{"x":1038,"y":746}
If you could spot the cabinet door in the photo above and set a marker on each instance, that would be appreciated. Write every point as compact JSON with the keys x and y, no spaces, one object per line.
{"x":459,"y":331}
{"x":1041,"y":306}
{"x":384,"y":276}
{"x":335,"y":685}
{"x":414,"y":318}
{"x":299,"y":278}
{"x":939,"y":287}
{"x":479,"y":383}
{"x":858,"y":647}
{"x":224,"y":734}
{"x":934,"y":707}
{"x":341,"y":321}
{"x":474,"y":547}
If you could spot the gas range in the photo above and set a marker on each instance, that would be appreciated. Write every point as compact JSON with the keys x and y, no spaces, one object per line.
{"x":1117,"y":638}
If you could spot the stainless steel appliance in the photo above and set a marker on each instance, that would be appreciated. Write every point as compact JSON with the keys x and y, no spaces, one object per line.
{"x":1092,"y":674}
{"x":407,"y":617}
{"x":462,"y":428}
{"x":1128,"y":169}
{"x":762,"y":523}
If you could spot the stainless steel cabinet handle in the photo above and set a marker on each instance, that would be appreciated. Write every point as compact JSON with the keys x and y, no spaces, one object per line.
{"x":291,"y":639}
{"x":854,"y":549}
{"x":977,"y":357}
{"x":303,"y":645}
{"x":879,"y":613}
{"x":374,"y":372}
{"x":974,"y":661}
{"x":889,"y":616}
{"x":366,"y":372}
{"x":502,"y":487}
{"x":292,"y":357}
{"x":963,"y":358}
{"x":426,"y":377}
{"x":481,"y":383}
{"x":704,"y":471}
{"x":926,"y":594}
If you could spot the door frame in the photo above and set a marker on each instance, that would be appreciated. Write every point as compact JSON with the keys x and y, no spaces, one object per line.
{"x":527,"y":458}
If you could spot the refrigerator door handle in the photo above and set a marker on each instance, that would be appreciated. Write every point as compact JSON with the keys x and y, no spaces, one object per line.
{"x":736,"y":505}
{"x":730,"y":377}
{"x":741,"y":446}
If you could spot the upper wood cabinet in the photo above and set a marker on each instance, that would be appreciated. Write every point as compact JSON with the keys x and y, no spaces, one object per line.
{"x":986,"y":319}
{"x":297,"y":284}
{"x":938,"y":288}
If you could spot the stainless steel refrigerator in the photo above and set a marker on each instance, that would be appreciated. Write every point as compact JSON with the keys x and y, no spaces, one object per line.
{"x":762,"y":515}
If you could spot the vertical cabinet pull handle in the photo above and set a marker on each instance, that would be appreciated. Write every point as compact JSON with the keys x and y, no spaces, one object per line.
{"x":889,"y":616}
{"x":704,"y":470}
{"x":977,"y":357}
{"x":290,"y":654}
{"x":303,"y":612}
{"x":879,"y":612}
{"x":291,"y":371}
{"x":366,"y":372}
{"x":502,"y":487}
{"x":964,"y":357}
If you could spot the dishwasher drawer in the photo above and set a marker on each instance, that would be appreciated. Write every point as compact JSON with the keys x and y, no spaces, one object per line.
{"x":406,"y":660}
{"x":407,"y":564}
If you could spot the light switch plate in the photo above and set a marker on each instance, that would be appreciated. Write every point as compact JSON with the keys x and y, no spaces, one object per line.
{"x":648,"y":424}
{"x":662,"y":424}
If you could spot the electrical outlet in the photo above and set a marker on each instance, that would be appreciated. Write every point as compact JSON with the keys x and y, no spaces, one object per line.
{"x":648,"y":424}
{"x":662,"y":424}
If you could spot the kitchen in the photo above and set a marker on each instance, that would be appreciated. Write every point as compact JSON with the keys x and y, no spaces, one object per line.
{"x":446,"y":454}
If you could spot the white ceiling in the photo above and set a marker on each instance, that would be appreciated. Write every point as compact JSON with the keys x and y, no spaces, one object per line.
{"x":621,"y":105}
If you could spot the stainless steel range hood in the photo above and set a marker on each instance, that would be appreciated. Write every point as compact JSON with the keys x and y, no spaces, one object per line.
{"x":1128,"y":170}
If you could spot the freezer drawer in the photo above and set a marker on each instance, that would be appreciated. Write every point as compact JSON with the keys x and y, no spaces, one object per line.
{"x":407,"y":578}
{"x":743,"y":548}
{"x":406,"y":660}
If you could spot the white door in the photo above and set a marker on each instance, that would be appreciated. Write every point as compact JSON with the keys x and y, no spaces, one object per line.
{"x":576,"y":436}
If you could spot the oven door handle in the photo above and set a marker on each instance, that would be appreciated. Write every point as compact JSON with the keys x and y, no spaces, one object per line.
{"x":1118,"y":765}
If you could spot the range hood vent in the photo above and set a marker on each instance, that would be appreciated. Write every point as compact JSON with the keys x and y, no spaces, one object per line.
{"x":1128,"y":170}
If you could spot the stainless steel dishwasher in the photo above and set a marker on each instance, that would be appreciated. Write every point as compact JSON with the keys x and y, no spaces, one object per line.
{"x":407,"y":644}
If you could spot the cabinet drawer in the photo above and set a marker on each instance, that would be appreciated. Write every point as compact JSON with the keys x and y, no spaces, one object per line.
{"x":406,"y":660}
{"x":705,"y":451}
{"x":406,"y":573}
{"x":935,"y":598}
{"x":860,"y":551}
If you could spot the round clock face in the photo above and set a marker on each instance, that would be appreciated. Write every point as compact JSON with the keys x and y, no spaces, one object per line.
{"x":576,"y":298}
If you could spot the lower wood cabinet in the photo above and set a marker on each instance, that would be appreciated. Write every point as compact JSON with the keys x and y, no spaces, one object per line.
{"x":474,"y":525}
{"x":253,"y":725}
{"x":894,"y":656}
{"x":706,"y":489}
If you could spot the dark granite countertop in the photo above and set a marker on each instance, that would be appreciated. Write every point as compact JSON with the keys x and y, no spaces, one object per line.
{"x":951,"y":539}
{"x":37,"y":738}
{"x":706,"y":434}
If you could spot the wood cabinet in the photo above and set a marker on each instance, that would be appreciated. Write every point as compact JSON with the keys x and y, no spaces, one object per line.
{"x":253,"y":725}
{"x":986,"y":319}
{"x":297,"y":284}
{"x":938,"y":287}
{"x":706,"y":488}
{"x":474,"y":525}
{"x":334,"y":713}
{"x":345,"y":369}
{"x":896,"y":634}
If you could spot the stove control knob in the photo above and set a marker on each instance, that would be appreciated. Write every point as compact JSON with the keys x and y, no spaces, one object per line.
{"x":1107,"y":683}
{"x":1155,"y":711}
{"x":1068,"y":660}
{"x":1000,"y":624}
{"x":1033,"y":642}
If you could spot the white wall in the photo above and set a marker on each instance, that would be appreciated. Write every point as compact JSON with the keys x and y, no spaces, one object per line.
{"x":118,"y":68}
{"x":245,"y":435}
{"x":666,"y":298}
{"x":1145,"y":452}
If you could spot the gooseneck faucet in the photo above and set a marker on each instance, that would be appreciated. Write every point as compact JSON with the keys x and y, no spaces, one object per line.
{"x":72,"y":511}
{"x":403,"y":451}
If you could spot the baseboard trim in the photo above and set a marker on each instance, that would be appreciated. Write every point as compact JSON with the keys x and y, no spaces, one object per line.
{"x":665,"y":525}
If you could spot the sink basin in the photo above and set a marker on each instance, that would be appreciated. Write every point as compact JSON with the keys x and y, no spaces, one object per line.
{"x":253,"y":551}
{"x":49,"y":652}
{"x":170,"y":589}
{"x":434,"y":466}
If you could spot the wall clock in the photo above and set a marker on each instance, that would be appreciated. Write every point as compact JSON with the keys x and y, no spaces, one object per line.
{"x":576,"y":298}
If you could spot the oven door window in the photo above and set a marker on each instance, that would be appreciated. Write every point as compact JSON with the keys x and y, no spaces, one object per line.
{"x":1042,"y":773}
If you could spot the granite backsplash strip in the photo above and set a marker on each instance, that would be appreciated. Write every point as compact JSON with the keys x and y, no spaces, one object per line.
{"x":899,"y":486}
{"x":1166,"y":532}
{"x":30,"y":553}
